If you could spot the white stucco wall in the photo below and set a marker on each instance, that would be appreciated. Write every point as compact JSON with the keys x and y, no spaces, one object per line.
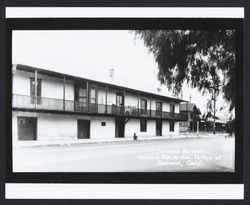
{"x":165,"y":128}
{"x":131,"y":100}
{"x":98,"y":131}
{"x":101,"y":96}
{"x":111,"y":97}
{"x":165,"y":106}
{"x":56,"y":126}
{"x":177,"y":108}
{"x":153,"y":104}
{"x":176,"y":128}
{"x":21,"y":83}
{"x":51,"y":87}
{"x":133,"y":126}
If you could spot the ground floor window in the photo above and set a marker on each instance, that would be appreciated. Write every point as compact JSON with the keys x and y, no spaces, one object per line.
{"x":143,"y":125}
{"x":171,"y":127}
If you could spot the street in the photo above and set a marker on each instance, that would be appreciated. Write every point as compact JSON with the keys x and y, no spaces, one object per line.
{"x":204,"y":154}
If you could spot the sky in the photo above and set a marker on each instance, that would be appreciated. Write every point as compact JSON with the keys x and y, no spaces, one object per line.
{"x":92,"y":53}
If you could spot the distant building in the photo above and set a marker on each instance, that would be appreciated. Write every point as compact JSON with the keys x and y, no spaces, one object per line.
{"x":207,"y":124}
{"x":190,"y":110}
{"x":48,"y":105}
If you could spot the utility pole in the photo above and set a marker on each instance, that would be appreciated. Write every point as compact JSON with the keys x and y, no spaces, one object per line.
{"x":215,"y":88}
{"x":190,"y":97}
{"x":213,"y":98}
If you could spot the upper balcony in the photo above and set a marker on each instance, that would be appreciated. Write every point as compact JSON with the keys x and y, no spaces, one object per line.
{"x":42,"y":104}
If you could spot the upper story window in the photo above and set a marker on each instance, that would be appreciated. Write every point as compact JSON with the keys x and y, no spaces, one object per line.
{"x":35,"y":90}
{"x":172,"y":108}
{"x":143,"y":104}
{"x":93,"y":96}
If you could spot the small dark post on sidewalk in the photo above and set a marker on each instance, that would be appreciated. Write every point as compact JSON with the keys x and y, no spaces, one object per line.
{"x":135,"y":136}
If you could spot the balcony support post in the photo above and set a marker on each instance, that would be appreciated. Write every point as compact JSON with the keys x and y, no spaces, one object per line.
{"x":172,"y":103}
{"x":106,"y":100}
{"x":13,"y":73}
{"x":150,"y":104}
{"x":138,"y":104}
{"x":87,"y":92}
{"x":35,"y":88}
{"x":64,"y":93}
{"x":124,"y":94}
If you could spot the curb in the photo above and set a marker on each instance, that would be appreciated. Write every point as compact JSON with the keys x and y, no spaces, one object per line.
{"x":128,"y":140}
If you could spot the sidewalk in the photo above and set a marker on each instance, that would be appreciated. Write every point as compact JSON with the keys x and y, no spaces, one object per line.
{"x":47,"y":143}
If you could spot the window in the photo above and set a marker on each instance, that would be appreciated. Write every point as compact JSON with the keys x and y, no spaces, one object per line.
{"x":171,"y":126}
{"x":35,"y":91}
{"x":103,"y":123}
{"x":143,"y":125}
{"x":119,"y":99}
{"x":172,"y":108}
{"x":93,"y":96}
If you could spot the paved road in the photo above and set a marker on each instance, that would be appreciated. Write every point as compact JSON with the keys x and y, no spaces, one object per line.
{"x":211,"y":154}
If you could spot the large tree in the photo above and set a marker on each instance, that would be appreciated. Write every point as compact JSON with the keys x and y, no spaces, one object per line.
{"x":203,"y":59}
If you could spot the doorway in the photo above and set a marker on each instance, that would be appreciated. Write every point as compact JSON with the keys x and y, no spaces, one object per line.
{"x":119,"y":127}
{"x":83,"y":129}
{"x":27,"y":128}
{"x":119,"y":104}
{"x":158,"y":109}
{"x":80,"y":97}
{"x":158,"y":128}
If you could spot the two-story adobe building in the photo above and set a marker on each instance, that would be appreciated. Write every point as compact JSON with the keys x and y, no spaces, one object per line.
{"x":48,"y":105}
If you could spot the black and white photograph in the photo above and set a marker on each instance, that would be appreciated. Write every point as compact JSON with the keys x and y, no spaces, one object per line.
{"x":114,"y":103}
{"x":123,"y":100}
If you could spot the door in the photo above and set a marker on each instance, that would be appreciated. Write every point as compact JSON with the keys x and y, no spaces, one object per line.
{"x":120,"y":104}
{"x":158,"y":128}
{"x":83,"y":129}
{"x":143,"y":106}
{"x":158,"y":109}
{"x":35,"y":90}
{"x":93,"y":101}
{"x":80,"y":97}
{"x":27,"y":127}
{"x":119,"y":127}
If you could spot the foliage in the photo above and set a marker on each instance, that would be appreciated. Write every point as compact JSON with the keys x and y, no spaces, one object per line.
{"x":203,"y":59}
{"x":207,"y":115}
{"x":196,"y":113}
{"x":230,"y":126}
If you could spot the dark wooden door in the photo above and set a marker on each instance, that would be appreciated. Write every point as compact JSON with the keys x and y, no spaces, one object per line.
{"x":158,"y":109}
{"x":83,"y":129}
{"x":27,"y":128}
{"x":119,"y":127}
{"x":158,"y":128}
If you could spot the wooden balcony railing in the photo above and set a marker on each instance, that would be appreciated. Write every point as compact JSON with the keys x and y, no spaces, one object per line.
{"x":42,"y":103}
